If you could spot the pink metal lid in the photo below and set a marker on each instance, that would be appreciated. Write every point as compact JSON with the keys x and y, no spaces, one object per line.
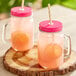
{"x":19,"y":12}
{"x":46,"y":27}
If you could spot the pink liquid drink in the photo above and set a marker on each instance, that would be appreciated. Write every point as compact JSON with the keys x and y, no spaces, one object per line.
{"x":21,"y":28}
{"x":50,"y":45}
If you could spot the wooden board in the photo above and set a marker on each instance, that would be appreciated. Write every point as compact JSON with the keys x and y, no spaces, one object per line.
{"x":26,"y":64}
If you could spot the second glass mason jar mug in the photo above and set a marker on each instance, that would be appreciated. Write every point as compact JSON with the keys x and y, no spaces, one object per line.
{"x":51,"y":45}
{"x":21,"y":28}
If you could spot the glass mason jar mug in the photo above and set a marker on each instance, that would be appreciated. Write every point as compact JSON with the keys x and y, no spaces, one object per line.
{"x":51,"y":45}
{"x":21,"y":28}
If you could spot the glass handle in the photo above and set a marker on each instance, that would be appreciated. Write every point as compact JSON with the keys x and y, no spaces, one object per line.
{"x":67,"y":55}
{"x":4,"y":34}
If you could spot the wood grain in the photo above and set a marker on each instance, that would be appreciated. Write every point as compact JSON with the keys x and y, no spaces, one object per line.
{"x":26,"y":64}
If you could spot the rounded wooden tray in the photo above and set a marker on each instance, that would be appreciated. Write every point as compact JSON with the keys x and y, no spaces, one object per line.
{"x":26,"y":64}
